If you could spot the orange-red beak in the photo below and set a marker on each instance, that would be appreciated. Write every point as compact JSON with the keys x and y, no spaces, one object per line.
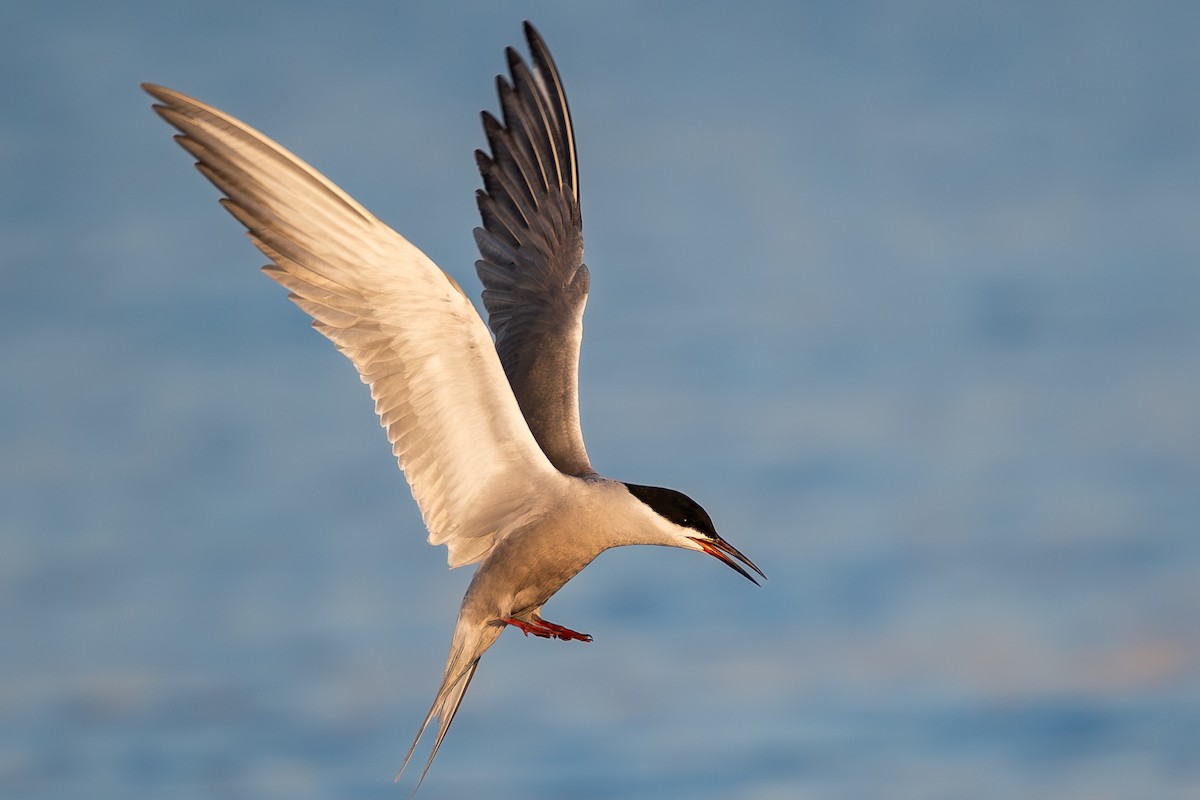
{"x":726,"y":553}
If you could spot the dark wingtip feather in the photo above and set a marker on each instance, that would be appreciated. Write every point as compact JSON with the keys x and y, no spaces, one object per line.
{"x":532,"y":35}
{"x":532,"y":245}
{"x":512,"y":57}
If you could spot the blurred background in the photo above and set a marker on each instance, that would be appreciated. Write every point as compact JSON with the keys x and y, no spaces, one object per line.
{"x":906,"y":294}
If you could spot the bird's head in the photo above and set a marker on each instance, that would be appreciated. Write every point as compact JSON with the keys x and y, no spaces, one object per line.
{"x":691,"y":527}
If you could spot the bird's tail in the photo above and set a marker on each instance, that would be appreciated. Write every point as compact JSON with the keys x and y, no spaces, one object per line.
{"x":470,"y":641}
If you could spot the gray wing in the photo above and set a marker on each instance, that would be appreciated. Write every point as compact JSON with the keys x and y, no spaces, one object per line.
{"x":531,"y":251}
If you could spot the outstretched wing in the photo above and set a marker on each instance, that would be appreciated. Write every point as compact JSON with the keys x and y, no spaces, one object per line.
{"x":413,"y":335}
{"x":531,"y":248}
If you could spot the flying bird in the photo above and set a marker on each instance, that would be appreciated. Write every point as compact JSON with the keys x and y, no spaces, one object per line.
{"x":486,"y":431}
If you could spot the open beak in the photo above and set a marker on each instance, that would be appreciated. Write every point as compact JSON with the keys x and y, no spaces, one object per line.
{"x":726,"y":553}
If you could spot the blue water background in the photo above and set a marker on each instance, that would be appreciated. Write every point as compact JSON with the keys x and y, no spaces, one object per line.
{"x":906,"y":294}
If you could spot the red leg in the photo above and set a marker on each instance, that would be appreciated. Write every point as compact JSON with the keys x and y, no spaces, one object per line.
{"x":525,"y":627}
{"x":547,"y":630}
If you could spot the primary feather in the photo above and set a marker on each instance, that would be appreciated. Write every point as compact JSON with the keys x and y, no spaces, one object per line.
{"x":535,"y":283}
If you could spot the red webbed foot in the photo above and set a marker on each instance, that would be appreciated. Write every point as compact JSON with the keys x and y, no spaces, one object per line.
{"x":547,"y":630}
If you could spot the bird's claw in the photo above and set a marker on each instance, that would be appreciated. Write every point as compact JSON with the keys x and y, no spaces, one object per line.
{"x":547,"y":630}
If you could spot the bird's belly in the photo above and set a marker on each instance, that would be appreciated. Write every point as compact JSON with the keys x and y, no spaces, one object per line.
{"x":522,"y":573}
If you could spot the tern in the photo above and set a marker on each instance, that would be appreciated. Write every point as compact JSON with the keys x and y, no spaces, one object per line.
{"x":486,"y":430}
